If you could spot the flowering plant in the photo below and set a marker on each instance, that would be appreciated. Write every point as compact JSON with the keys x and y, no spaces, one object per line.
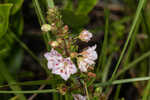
{"x":78,"y":63}
{"x":64,"y":59}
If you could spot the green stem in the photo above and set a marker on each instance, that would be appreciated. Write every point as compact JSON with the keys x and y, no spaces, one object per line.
{"x":140,"y":6}
{"x":122,"y":81}
{"x":106,"y":69}
{"x":146,"y":91}
{"x":42,"y":21}
{"x":128,"y":56}
{"x":39,"y":11}
{"x":117,"y":92}
{"x":87,"y":93}
{"x":145,"y":22}
{"x":30,"y":91}
{"x":66,"y":97}
{"x":13,"y":36}
{"x":102,"y":57}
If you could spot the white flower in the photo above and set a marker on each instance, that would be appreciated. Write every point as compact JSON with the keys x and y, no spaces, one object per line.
{"x":54,"y":58}
{"x":65,"y":68}
{"x":83,"y":66}
{"x":88,"y":58}
{"x":85,"y":35}
{"x":59,"y":65}
{"x":90,"y":53}
{"x":79,"y":97}
{"x":46,"y":27}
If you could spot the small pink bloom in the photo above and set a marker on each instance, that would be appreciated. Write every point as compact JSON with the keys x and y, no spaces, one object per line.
{"x":59,"y":65}
{"x":85,"y":35}
{"x":53,"y":57}
{"x":65,"y":68}
{"x":88,"y":58}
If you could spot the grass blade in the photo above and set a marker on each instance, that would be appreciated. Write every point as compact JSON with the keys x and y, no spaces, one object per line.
{"x":131,"y":65}
{"x":137,"y":15}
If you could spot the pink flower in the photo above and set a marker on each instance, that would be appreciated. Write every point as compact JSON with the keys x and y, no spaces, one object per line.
{"x":59,"y":65}
{"x":88,"y":58}
{"x":79,"y":97}
{"x":90,"y":53}
{"x":53,"y":57}
{"x":65,"y":68}
{"x":85,"y":35}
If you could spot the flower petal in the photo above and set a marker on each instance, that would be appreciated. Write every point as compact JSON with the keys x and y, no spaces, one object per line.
{"x":79,"y":97}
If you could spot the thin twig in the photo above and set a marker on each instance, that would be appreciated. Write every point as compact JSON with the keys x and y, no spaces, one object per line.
{"x":34,"y":95}
{"x":41,"y":87}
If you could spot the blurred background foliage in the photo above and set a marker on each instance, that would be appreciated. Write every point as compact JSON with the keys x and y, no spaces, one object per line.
{"x":18,"y":17}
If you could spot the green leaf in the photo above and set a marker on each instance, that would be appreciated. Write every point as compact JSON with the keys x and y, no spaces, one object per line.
{"x":77,"y":18}
{"x":85,"y":6}
{"x":17,"y":5}
{"x":73,"y":20}
{"x":4,"y":18}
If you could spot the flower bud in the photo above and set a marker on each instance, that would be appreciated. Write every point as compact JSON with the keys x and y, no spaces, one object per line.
{"x":85,"y":36}
{"x":65,"y":29}
{"x":54,"y":44}
{"x":73,"y":54}
{"x":46,"y":27}
{"x":63,"y":91}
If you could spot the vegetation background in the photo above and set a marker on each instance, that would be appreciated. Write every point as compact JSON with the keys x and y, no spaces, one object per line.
{"x":121,"y":30}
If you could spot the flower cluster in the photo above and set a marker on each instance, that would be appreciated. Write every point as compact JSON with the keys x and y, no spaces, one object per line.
{"x":63,"y":59}
{"x":65,"y":66}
